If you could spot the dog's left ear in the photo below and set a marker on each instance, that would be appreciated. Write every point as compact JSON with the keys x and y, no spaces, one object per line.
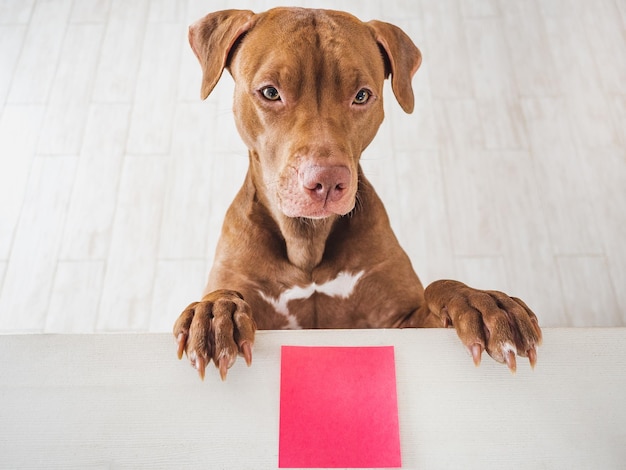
{"x":404,"y":59}
{"x":212,"y":39}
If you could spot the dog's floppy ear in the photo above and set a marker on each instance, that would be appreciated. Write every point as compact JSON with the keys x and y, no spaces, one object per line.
{"x":212,"y":39}
{"x":403,"y":57}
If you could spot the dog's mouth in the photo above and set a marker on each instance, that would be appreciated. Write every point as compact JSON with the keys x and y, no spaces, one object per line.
{"x":315,"y":211}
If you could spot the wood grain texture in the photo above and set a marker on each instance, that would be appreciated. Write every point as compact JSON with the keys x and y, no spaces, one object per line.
{"x":124,"y":401}
{"x":511,"y":172}
{"x":70,"y":96}
{"x":19,"y":128}
{"x":34,"y":74}
{"x":31,"y":268}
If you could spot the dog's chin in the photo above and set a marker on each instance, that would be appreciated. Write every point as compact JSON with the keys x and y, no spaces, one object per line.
{"x":299,"y":206}
{"x":316,"y":213}
{"x":304,"y":216}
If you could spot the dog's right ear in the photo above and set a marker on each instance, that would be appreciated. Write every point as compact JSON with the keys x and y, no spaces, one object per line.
{"x":212,"y":39}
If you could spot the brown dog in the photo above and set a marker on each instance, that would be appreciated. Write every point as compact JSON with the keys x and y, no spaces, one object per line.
{"x":307,"y":242}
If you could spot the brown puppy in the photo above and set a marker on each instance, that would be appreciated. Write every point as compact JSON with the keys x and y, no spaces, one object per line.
{"x":307,"y":242}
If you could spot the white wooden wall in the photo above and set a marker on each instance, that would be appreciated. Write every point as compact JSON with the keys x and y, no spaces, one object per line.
{"x":114,"y":176}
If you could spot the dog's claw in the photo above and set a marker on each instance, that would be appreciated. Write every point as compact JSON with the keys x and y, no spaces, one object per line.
{"x":200,"y":365}
{"x":246,"y":350}
{"x":476,"y":350}
{"x":446,"y":321}
{"x":532,"y":357}
{"x":509,"y":358}
{"x":223,"y":367}
{"x":181,"y":340}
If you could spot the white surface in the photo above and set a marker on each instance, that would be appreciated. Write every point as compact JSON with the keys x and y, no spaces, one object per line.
{"x":124,"y":401}
{"x":114,"y":176}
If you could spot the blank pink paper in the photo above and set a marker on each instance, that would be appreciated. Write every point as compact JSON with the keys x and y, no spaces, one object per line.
{"x":338,"y":408}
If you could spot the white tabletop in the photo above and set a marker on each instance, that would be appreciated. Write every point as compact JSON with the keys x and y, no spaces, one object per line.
{"x":125,"y":401}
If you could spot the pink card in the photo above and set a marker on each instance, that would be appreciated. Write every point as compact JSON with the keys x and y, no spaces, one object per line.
{"x":338,"y":407}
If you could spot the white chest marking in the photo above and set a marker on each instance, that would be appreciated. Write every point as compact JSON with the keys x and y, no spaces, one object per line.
{"x":342,"y":286}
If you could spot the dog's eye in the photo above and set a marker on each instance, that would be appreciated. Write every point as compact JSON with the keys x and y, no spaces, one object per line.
{"x":270,"y":93}
{"x":362,"y":96}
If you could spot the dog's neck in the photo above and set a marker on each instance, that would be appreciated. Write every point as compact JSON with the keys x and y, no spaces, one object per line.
{"x":305,"y":239}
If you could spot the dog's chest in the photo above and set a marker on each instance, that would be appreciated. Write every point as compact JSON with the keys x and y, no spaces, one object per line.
{"x":290,"y":302}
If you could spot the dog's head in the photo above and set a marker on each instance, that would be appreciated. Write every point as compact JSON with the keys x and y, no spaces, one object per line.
{"x":308,"y":96}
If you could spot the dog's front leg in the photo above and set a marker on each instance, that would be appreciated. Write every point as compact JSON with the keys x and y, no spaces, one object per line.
{"x":486,"y":320}
{"x":218,"y":327}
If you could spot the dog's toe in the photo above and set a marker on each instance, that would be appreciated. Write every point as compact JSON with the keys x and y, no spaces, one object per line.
{"x":218,"y":328}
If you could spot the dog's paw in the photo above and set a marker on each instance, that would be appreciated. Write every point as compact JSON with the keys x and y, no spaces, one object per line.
{"x":217,"y":328}
{"x":487,"y":320}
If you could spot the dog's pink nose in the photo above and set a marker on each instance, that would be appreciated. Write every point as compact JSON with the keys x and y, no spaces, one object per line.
{"x":326,"y":183}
